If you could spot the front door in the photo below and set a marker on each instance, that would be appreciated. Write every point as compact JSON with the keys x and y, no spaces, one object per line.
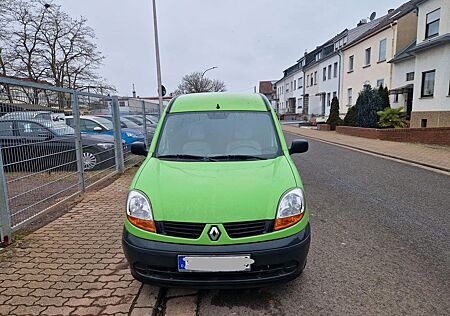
{"x":306,"y":104}
{"x":323,"y":103}
{"x":409,"y":101}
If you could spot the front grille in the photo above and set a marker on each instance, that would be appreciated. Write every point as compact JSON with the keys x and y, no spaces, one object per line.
{"x":256,"y":273}
{"x":180,"y":229}
{"x":246,"y":229}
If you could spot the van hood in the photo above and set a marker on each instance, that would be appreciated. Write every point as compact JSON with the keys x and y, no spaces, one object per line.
{"x":215,"y":192}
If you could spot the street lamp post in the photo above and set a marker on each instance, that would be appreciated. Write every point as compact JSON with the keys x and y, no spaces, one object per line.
{"x":158,"y":62}
{"x":203,"y":73}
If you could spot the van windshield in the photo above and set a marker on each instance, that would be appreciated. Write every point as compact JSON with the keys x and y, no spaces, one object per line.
{"x":218,"y":135}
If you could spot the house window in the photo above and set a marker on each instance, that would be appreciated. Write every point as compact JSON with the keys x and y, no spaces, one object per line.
{"x":121,"y":103}
{"x":315,"y":77}
{"x":325,"y":74}
{"x":335,"y":70}
{"x":432,"y":27}
{"x":428,"y":83}
{"x":410,"y":76}
{"x":351,"y":59}
{"x":307,"y":81}
{"x":295,"y":84}
{"x":382,"y":50}
{"x":312,"y":79}
{"x":299,"y":103}
{"x":350,"y":96}
{"x":423,"y":123}
{"x":329,"y":72}
{"x":328,"y":99}
{"x":300,"y":82}
{"x":396,"y":98}
{"x":367,"y":56}
{"x":380,"y":82}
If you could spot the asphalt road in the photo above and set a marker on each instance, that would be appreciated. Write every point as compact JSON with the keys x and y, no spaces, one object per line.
{"x":380,"y":243}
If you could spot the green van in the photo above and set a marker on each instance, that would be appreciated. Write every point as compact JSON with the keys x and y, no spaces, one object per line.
{"x":218,"y":201}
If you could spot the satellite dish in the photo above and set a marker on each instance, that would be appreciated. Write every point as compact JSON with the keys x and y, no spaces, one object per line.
{"x":372,"y":16}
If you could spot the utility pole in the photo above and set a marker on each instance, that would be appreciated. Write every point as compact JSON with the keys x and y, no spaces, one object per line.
{"x":158,"y":62}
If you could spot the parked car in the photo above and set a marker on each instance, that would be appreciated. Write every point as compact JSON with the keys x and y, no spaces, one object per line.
{"x":219,"y":203}
{"x":153,"y":117}
{"x":38,"y":115}
{"x":98,"y":125}
{"x":127,"y":123}
{"x":139,"y":121}
{"x":38,"y":144}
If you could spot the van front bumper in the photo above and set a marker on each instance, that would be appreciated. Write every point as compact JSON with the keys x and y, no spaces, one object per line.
{"x":276,"y":261}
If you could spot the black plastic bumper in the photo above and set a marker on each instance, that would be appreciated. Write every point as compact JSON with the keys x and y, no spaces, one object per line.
{"x":276,"y":261}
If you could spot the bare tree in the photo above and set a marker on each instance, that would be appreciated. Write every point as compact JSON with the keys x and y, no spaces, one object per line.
{"x":41,"y":42}
{"x":196,"y":83}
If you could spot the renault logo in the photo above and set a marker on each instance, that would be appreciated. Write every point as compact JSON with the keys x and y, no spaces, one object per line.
{"x":214,"y":233}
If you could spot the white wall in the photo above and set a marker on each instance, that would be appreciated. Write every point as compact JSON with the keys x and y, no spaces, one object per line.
{"x":298,"y":93}
{"x":399,"y":71}
{"x":315,"y":107}
{"x":433,"y":58}
{"x":427,"y":7}
{"x":330,"y":85}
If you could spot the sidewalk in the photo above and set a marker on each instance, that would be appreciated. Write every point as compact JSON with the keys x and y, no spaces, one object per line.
{"x":428,"y":155}
{"x":75,"y":264}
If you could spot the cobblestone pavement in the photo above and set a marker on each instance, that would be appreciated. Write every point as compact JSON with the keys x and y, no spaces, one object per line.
{"x":429,"y":155}
{"x":75,"y":264}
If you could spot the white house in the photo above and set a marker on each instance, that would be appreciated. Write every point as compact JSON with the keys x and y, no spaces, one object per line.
{"x":287,"y":90}
{"x":431,"y":103}
{"x":401,"y":93}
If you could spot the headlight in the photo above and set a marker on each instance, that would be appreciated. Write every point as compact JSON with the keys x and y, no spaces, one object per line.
{"x":139,"y":211}
{"x":106,"y":145}
{"x":290,"y":209}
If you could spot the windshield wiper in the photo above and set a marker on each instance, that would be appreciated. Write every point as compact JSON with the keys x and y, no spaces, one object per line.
{"x":237,"y":157}
{"x":184,"y":156}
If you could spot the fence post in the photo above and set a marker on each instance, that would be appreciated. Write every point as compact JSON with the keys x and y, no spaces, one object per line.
{"x":78,"y":144}
{"x":120,"y":165}
{"x":5,"y":216}
{"x":144,"y":118}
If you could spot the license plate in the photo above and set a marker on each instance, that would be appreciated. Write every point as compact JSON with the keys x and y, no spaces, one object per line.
{"x":214,"y":263}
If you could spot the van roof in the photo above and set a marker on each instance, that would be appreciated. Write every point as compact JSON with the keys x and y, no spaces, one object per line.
{"x":227,"y":102}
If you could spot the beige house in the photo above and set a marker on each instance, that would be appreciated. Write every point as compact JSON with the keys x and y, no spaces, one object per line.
{"x":365,"y":60}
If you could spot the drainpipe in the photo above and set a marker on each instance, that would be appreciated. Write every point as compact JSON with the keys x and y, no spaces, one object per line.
{"x":340,"y":75}
{"x":394,"y":36}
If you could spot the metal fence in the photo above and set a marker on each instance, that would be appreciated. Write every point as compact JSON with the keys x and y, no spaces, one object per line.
{"x":55,"y":143}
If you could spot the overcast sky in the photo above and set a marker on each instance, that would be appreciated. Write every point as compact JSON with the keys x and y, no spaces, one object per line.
{"x":249,"y":40}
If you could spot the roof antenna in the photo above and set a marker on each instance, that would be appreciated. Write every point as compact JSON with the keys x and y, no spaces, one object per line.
{"x":218,"y":106}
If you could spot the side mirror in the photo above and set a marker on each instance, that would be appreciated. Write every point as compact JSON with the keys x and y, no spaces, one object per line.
{"x":98,"y":129}
{"x":298,"y":146}
{"x":138,"y":148}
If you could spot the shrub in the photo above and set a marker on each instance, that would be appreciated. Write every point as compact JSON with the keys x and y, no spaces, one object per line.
{"x":392,"y":118}
{"x":383,"y":93}
{"x":368,"y":103}
{"x":351,"y":118}
{"x":334,"y":119}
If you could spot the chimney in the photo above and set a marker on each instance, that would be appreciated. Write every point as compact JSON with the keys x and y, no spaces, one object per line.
{"x":362,"y":22}
{"x":134,"y":92}
{"x":390,"y":11}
